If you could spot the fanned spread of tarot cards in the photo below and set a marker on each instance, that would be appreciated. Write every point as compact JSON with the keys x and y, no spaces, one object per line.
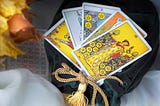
{"x":98,"y":39}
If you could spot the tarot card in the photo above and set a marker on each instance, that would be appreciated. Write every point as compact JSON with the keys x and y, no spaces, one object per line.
{"x":93,"y":15}
{"x":112,"y":51}
{"x":73,"y":19}
{"x":58,"y":36}
{"x":112,"y":21}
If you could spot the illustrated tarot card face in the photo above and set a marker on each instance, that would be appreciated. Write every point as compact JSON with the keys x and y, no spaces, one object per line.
{"x":111,"y":22}
{"x":58,"y":36}
{"x":93,"y":15}
{"x":112,"y":51}
{"x":73,"y":19}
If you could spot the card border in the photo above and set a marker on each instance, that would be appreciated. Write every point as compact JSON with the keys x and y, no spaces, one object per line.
{"x":102,"y":6}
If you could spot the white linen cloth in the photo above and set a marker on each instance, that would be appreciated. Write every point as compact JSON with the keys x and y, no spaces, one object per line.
{"x":20,"y":87}
{"x":146,"y":94}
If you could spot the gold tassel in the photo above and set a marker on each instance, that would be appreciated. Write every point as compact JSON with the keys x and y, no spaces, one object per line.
{"x":78,"y":98}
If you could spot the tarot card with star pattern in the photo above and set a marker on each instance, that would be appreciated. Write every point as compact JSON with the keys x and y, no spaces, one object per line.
{"x":112,"y":51}
{"x":111,"y":22}
{"x":58,"y":36}
{"x":94,"y":15}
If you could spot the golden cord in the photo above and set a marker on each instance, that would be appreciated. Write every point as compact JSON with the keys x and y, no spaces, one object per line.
{"x":78,"y":98}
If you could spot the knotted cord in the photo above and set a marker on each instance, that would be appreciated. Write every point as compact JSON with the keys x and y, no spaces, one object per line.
{"x":84,"y":81}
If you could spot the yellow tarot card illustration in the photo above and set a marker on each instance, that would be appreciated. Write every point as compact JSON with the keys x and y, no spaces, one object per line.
{"x":58,"y":36}
{"x":112,"y":51}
